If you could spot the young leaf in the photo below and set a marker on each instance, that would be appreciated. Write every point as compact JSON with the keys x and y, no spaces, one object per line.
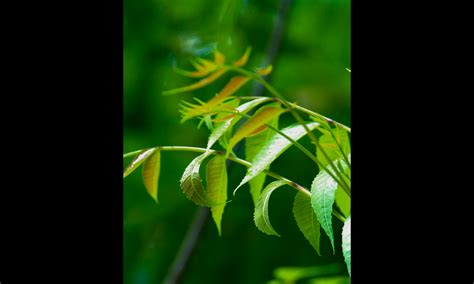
{"x":203,"y":82}
{"x":262,"y":117}
{"x":220,"y":129}
{"x":151,"y":174}
{"x":261,"y":218}
{"x":273,"y":148}
{"x":346,"y":243}
{"x":323,"y":191}
{"x":191,"y":183}
{"x":307,"y":220}
{"x":137,"y":161}
{"x":253,"y":145}
{"x":219,"y":58}
{"x":265,"y":71}
{"x":216,"y":176}
{"x":243,"y":60}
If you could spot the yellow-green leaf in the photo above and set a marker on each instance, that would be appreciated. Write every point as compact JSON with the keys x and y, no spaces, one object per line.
{"x":192,"y":110}
{"x":343,"y":201}
{"x":137,"y":161}
{"x":346,"y":243}
{"x":265,"y":115}
{"x":243,"y":60}
{"x":151,"y":174}
{"x":216,"y":177}
{"x":219,"y":58}
{"x":226,"y":126}
{"x":261,"y":218}
{"x":204,"y":82}
{"x":265,"y":71}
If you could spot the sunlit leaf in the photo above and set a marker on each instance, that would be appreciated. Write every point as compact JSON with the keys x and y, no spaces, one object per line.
{"x":307,"y":220}
{"x":253,"y":144}
{"x":273,"y":148}
{"x":323,"y":191}
{"x":263,"y":116}
{"x":189,"y":110}
{"x":151,"y":174}
{"x":243,"y":60}
{"x":261,"y":218}
{"x":137,"y":161}
{"x":346,"y":243}
{"x":265,"y":71}
{"x":204,"y":82}
{"x":191,"y":183}
{"x":225,"y":126}
{"x":216,"y":177}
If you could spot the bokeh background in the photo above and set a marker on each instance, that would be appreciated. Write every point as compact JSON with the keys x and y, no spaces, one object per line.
{"x":309,"y":68}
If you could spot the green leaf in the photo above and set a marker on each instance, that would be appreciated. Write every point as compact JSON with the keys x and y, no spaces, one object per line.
{"x":323,"y":191}
{"x":191,"y":183}
{"x":222,"y":127}
{"x":261,"y":218}
{"x":137,"y":161}
{"x":307,"y":220}
{"x":273,"y":148}
{"x":216,"y":177}
{"x":263,"y":116}
{"x":329,"y":144}
{"x":346,"y":243}
{"x":343,"y":201}
{"x":151,"y":174}
{"x":253,"y":145}
{"x":294,"y":274}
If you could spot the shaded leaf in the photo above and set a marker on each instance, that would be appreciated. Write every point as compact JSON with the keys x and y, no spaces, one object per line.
{"x":225,"y":126}
{"x":253,"y":144}
{"x":273,"y":148}
{"x":293,"y":274}
{"x":261,"y":218}
{"x":151,"y":174}
{"x":346,"y":243}
{"x":263,"y":116}
{"x":203,"y":82}
{"x":216,"y":177}
{"x":323,"y":191}
{"x":137,"y":161}
{"x":243,"y":60}
{"x":307,"y":220}
{"x":191,"y":183}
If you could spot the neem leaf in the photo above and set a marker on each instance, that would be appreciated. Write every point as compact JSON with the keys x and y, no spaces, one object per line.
{"x":216,"y":177}
{"x":273,"y":148}
{"x":261,"y":218}
{"x":307,"y":220}
{"x":151,"y":174}
{"x":262,"y":117}
{"x":221,"y":128}
{"x":191,"y":183}
{"x":137,"y":161}
{"x":346,"y":243}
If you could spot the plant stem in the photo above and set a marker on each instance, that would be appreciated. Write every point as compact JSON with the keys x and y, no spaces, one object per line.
{"x":296,"y":115}
{"x":298,"y":107}
{"x":232,"y":158}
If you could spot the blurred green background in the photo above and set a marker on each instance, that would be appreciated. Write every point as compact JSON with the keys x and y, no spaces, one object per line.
{"x":309,"y":69}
